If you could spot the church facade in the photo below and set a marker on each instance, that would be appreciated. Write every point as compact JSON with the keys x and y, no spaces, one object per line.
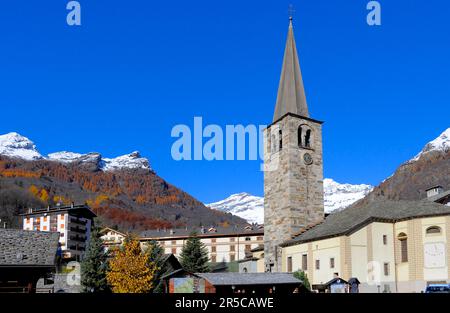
{"x":388,"y":246}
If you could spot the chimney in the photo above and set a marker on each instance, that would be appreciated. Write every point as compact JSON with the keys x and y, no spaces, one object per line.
{"x":434,"y":191}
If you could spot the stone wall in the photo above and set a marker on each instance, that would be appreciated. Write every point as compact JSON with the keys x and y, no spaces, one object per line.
{"x":293,"y":189}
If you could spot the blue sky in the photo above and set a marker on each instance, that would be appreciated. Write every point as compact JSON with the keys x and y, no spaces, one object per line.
{"x":136,"y":68}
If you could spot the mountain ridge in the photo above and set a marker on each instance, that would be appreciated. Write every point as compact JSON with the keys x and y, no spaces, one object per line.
{"x":15,"y":145}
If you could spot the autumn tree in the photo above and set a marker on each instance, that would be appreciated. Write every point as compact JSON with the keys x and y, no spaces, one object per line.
{"x":95,"y":265}
{"x":130,"y":270}
{"x":194,"y":255}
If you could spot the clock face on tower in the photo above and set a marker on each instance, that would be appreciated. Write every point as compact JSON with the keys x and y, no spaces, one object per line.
{"x":434,"y":254}
{"x":308,"y":159}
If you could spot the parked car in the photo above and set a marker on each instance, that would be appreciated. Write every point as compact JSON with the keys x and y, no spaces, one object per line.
{"x":438,"y":289}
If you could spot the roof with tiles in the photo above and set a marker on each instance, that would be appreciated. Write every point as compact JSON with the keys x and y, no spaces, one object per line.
{"x":354,"y":218}
{"x":205,"y":232}
{"x":22,"y":248}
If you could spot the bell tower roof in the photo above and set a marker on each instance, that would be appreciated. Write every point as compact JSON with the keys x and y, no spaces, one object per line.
{"x":291,"y":96}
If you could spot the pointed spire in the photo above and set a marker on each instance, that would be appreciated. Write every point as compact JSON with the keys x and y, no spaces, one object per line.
{"x":291,"y":93}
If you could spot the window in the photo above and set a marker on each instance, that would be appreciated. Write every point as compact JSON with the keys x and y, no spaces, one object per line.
{"x":248,"y":239}
{"x":331,"y":262}
{"x":289,"y":264}
{"x":299,"y":136}
{"x":403,"y":246}
{"x":260,"y":238}
{"x":232,"y":258}
{"x":304,"y":262}
{"x":61,"y":226}
{"x":385,"y":240}
{"x":213,"y":249}
{"x":304,"y":135}
{"x":213,"y":240}
{"x":44,"y":228}
{"x":174,"y":242}
{"x":233,"y":248}
{"x":213,"y":258}
{"x":281,"y":140}
{"x":61,"y":235}
{"x":245,"y":270}
{"x":45,"y":218}
{"x":248,"y":248}
{"x":433,"y":230}
{"x":386,"y":269}
{"x":317,"y":264}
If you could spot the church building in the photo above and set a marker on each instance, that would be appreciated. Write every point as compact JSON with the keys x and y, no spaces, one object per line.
{"x":387,"y":246}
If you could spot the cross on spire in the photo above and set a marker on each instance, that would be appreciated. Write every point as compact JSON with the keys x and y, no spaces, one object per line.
{"x":291,"y":12}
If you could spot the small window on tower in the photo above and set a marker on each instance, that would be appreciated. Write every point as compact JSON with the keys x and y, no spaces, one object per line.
{"x":281,"y":140}
{"x":299,"y":136}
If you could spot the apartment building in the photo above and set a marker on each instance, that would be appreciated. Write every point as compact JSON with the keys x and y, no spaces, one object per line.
{"x":72,"y":222}
{"x":224,"y":244}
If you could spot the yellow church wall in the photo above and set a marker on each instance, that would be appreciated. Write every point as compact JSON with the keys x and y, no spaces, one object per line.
{"x":435,"y":274}
{"x":383,"y":255}
{"x":296,"y":253}
{"x":323,"y":251}
{"x":358,"y":241}
{"x":402,"y":268}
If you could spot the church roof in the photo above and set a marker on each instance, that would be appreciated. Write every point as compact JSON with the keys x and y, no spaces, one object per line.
{"x":356,"y":217}
{"x":291,"y":93}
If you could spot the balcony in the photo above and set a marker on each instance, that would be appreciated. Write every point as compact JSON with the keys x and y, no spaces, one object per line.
{"x":77,"y":247}
{"x":78,"y":238}
{"x":78,"y":229}
{"x":77,"y":221}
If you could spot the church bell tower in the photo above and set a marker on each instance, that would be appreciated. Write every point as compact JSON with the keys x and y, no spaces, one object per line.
{"x":293,"y":169}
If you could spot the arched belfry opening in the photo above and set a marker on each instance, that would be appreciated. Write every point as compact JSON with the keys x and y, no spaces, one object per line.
{"x":308,"y":139}
{"x":304,"y":136}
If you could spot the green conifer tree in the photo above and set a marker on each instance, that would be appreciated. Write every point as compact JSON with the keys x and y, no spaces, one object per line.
{"x":194,"y":255}
{"x":94,"y":265}
{"x":301,"y":275}
{"x":156,"y":255}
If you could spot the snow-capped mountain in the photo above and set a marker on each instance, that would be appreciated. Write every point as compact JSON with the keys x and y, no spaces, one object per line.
{"x":441,"y":143}
{"x":337,"y":197}
{"x":64,"y":156}
{"x":132,"y":160}
{"x":16,"y":146}
{"x":250,"y":208}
